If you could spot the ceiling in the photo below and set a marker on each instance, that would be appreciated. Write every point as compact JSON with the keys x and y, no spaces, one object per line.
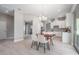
{"x":49,"y":10}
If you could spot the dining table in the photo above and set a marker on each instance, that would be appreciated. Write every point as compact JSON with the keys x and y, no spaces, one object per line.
{"x":49,"y":36}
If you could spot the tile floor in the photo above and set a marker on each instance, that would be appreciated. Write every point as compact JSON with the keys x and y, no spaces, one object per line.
{"x":8,"y":47}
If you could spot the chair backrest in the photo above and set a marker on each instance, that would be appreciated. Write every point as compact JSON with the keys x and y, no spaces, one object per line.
{"x":41,"y":38}
{"x":34,"y":37}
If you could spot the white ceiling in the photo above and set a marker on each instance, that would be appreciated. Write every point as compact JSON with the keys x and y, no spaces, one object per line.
{"x":50,"y":10}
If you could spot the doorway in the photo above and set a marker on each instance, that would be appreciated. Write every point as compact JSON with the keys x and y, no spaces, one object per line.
{"x":28,"y":29}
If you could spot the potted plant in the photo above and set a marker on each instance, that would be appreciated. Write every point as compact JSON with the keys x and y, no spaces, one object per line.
{"x":68,"y":29}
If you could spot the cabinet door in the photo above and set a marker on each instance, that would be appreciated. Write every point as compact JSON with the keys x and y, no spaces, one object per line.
{"x":2,"y":30}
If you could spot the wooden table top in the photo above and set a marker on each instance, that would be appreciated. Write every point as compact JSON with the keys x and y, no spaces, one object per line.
{"x":48,"y":35}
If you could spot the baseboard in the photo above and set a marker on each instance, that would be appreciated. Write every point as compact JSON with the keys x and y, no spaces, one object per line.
{"x":18,"y":40}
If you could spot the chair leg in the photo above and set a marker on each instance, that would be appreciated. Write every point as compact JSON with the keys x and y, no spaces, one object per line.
{"x":44,"y":48}
{"x":48,"y":46}
{"x":51,"y":41}
{"x":38,"y":46}
{"x":32,"y":44}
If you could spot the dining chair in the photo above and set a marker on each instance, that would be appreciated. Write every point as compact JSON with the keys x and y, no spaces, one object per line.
{"x":34,"y":41}
{"x":51,"y":40}
{"x":42,"y":41}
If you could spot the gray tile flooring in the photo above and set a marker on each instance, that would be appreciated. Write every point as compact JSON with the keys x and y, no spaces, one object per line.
{"x":8,"y":47}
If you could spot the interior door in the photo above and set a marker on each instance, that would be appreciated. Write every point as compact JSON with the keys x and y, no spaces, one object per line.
{"x":2,"y":29}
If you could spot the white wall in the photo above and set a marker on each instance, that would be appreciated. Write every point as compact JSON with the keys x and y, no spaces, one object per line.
{"x":18,"y":26}
{"x":3,"y":26}
{"x":28,"y":17}
{"x":68,"y":19}
{"x":19,"y":19}
{"x":70,"y":23}
{"x":36,"y":25}
{"x":6,"y":28}
{"x":10,"y":27}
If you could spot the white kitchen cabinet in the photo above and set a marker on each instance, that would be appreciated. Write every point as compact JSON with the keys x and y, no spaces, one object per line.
{"x":66,"y":37}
